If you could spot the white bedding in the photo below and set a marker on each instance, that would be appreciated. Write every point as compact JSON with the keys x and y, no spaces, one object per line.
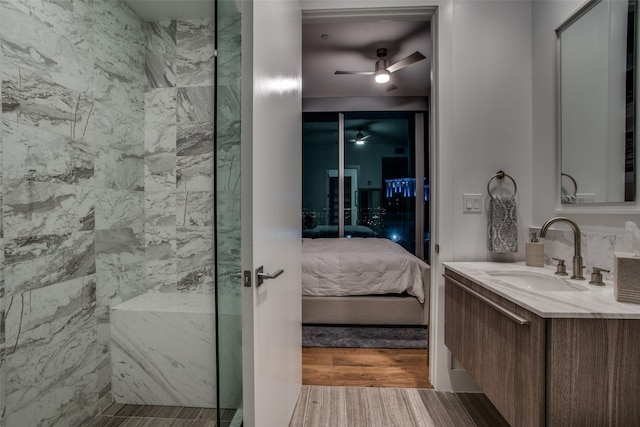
{"x":360,"y":266}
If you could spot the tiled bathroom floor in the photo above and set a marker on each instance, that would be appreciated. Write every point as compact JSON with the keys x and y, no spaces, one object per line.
{"x":320,"y":406}
{"x":123,"y":415}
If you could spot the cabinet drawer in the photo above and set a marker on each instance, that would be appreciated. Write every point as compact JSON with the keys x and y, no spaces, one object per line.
{"x":501,"y":345}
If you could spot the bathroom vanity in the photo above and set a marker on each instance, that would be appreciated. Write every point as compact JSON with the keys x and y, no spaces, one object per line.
{"x":546,"y":350}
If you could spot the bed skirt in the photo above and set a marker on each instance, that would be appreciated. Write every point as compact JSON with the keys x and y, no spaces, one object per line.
{"x":364,"y":310}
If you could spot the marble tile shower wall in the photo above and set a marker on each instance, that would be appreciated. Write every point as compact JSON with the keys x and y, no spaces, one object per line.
{"x":178,"y":157}
{"x":82,"y":231}
{"x":72,"y":182}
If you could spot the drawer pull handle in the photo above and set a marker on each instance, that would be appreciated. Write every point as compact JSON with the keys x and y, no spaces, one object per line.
{"x":510,"y":314}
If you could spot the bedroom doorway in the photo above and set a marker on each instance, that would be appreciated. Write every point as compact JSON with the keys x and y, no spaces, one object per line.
{"x":365,"y":165}
{"x":344,"y":117}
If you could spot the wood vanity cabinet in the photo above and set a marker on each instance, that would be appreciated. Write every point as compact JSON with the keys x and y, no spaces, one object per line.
{"x":504,"y":357}
{"x":544,"y":371}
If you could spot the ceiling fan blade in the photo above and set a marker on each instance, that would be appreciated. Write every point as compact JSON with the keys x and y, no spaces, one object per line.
{"x":411,"y":59}
{"x":390,"y":86}
{"x":360,"y":73}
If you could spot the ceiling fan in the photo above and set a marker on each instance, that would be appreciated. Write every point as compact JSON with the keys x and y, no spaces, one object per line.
{"x":383,"y":71}
{"x":360,"y":138}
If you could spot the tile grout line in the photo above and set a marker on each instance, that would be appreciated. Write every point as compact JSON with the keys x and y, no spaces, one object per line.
{"x":465,"y":408}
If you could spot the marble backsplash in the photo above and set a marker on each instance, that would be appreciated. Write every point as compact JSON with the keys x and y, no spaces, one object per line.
{"x":598,"y":246}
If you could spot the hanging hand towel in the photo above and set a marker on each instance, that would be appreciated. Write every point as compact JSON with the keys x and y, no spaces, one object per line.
{"x":503,"y":224}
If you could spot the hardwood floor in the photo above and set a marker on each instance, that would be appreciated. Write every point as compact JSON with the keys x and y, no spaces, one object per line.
{"x":365,"y":367}
{"x":363,"y":387}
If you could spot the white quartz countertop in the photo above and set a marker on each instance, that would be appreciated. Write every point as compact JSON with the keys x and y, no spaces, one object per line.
{"x":595,"y":302}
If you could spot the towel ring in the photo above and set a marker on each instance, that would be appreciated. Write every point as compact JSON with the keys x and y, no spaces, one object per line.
{"x":502,"y":175}
{"x":575,"y":184}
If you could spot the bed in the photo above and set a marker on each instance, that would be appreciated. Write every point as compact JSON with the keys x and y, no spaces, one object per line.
{"x":365,"y":281}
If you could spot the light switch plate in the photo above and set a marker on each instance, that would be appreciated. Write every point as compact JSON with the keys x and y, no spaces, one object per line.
{"x":471,"y":203}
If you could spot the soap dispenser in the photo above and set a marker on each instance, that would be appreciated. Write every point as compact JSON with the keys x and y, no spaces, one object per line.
{"x":534,"y":252}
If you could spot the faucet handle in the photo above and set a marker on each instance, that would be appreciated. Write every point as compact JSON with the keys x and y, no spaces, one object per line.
{"x":561,"y":268}
{"x":596,"y":276}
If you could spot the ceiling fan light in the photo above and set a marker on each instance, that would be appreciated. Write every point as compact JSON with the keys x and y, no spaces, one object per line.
{"x":382,"y":76}
{"x":360,"y":142}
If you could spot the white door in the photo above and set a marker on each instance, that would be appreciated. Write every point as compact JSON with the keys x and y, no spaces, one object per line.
{"x":271,"y":209}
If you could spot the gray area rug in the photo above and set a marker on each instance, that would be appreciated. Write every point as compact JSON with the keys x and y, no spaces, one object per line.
{"x":364,"y":336}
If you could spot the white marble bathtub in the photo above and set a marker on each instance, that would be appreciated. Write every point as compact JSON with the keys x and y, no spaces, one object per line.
{"x":163,"y":351}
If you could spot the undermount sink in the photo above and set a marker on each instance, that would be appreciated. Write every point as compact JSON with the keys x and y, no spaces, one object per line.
{"x":530,"y":280}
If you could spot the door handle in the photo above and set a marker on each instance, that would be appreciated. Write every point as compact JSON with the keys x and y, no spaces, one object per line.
{"x":271,"y":275}
{"x":245,"y":276}
{"x":261,"y":276}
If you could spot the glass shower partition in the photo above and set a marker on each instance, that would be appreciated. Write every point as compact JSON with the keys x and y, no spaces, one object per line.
{"x":227,"y":213}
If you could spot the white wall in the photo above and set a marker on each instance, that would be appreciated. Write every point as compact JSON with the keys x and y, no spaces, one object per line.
{"x":483,"y":120}
{"x":366,"y":103}
{"x":492,"y":114}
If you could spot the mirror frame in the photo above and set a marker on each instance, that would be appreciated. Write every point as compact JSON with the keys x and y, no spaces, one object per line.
{"x":600,"y":207}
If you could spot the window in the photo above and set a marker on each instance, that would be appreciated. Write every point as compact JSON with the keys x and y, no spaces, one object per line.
{"x":370,"y":166}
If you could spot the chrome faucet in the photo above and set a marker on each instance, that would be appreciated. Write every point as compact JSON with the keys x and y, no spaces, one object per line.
{"x":577,"y":256}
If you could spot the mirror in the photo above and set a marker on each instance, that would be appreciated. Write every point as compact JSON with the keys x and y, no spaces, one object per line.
{"x":595,"y":89}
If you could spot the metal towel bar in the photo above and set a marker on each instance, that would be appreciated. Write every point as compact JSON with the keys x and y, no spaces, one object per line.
{"x":501,"y":175}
